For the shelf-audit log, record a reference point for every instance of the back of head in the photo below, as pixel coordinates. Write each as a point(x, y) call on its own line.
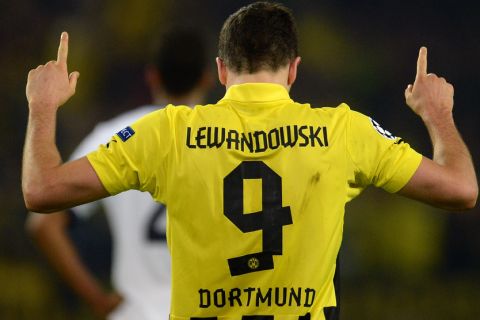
point(180, 60)
point(260, 36)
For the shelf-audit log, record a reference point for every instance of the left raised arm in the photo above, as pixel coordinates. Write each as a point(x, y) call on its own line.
point(448, 180)
point(48, 184)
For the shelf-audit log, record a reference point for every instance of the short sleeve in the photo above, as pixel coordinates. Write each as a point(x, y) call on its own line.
point(101, 134)
point(134, 157)
point(379, 157)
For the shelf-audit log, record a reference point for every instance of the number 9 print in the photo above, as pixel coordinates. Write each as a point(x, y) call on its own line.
point(270, 220)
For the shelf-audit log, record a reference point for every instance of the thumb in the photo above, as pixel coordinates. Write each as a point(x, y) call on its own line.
point(73, 77)
point(408, 90)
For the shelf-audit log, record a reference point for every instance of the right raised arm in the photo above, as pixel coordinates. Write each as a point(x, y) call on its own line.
point(448, 180)
point(48, 184)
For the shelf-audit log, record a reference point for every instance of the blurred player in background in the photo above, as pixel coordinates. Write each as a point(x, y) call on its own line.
point(256, 184)
point(141, 262)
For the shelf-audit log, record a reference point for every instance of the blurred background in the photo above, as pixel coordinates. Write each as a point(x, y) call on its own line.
point(400, 259)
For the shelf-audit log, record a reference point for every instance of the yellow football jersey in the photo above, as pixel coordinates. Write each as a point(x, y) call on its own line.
point(255, 187)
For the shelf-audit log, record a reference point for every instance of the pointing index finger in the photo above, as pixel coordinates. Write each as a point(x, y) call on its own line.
point(422, 62)
point(63, 49)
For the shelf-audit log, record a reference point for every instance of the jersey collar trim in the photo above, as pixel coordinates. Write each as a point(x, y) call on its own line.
point(256, 92)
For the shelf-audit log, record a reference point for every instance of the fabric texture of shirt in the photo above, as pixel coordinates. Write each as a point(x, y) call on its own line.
point(255, 187)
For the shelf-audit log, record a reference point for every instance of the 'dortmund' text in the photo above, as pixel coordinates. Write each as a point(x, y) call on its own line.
point(246, 297)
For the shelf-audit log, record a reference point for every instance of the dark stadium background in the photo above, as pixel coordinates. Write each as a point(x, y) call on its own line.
point(400, 259)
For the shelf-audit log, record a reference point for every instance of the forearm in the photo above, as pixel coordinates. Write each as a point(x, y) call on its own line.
point(449, 149)
point(48, 184)
point(40, 152)
point(50, 235)
point(40, 157)
point(62, 255)
point(448, 180)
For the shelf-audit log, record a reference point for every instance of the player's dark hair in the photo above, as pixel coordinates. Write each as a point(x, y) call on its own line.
point(260, 36)
point(180, 60)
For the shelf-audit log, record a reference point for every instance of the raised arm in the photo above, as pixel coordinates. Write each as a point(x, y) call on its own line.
point(449, 180)
point(48, 184)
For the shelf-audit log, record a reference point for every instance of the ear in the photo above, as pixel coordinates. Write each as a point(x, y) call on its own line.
point(153, 80)
point(207, 80)
point(222, 71)
point(292, 70)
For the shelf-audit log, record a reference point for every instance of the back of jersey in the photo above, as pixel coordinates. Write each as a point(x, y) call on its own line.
point(258, 224)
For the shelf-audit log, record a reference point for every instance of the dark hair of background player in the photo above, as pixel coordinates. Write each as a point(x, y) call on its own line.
point(180, 59)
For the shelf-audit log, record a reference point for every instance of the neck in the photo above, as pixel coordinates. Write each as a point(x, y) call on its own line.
point(279, 77)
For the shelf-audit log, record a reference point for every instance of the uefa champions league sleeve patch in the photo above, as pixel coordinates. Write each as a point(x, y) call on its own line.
point(382, 131)
point(125, 134)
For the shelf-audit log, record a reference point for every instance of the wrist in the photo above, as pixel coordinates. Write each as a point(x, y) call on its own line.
point(42, 107)
point(437, 118)
point(97, 298)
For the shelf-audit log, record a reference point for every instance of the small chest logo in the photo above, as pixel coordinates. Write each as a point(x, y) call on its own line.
point(125, 134)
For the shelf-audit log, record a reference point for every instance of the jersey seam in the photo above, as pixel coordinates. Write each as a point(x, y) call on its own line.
point(349, 120)
point(378, 164)
point(254, 102)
